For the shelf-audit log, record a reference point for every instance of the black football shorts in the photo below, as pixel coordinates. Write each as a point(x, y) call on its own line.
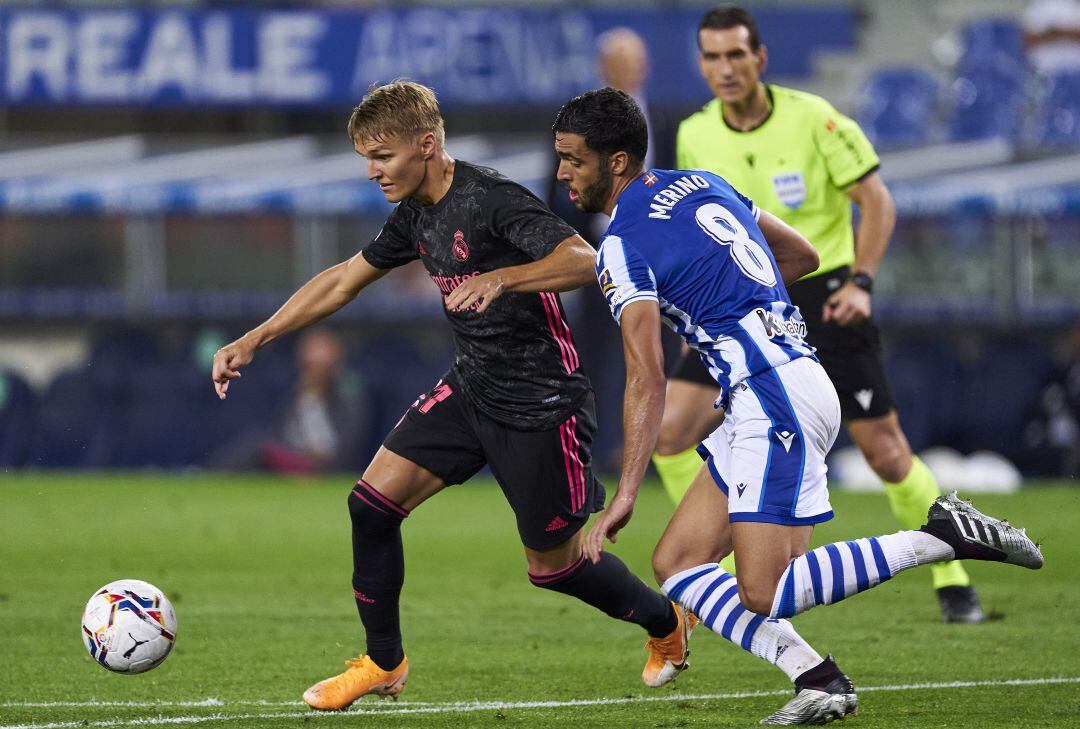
point(851, 355)
point(545, 475)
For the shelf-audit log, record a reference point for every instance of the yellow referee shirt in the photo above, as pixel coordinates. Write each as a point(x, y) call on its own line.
point(796, 164)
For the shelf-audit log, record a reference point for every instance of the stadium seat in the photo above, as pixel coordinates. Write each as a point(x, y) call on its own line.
point(252, 405)
point(1058, 121)
point(992, 38)
point(16, 417)
point(923, 376)
point(896, 106)
point(987, 98)
point(416, 369)
point(162, 422)
point(996, 388)
point(116, 354)
point(74, 424)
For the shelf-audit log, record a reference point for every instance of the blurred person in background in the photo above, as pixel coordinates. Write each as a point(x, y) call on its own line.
point(799, 159)
point(622, 62)
point(322, 420)
point(1052, 430)
point(1052, 35)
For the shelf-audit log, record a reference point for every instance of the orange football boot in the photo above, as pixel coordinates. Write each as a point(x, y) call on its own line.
point(363, 677)
point(691, 623)
point(667, 655)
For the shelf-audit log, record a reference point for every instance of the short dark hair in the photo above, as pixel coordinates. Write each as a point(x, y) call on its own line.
point(730, 16)
point(609, 120)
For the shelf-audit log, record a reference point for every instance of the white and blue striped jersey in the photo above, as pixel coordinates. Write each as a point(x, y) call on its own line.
point(689, 241)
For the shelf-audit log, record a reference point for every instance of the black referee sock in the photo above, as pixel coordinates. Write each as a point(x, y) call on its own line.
point(378, 572)
point(611, 587)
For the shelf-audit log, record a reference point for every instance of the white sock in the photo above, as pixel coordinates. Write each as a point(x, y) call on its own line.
point(777, 642)
point(929, 549)
point(711, 593)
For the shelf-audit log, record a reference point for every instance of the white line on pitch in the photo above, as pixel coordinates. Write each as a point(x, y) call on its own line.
point(464, 706)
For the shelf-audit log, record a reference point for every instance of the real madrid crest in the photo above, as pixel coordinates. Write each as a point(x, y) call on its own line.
point(460, 248)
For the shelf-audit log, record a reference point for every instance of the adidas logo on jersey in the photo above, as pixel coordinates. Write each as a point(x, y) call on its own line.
point(864, 398)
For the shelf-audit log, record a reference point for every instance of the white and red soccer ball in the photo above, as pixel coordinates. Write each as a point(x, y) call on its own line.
point(129, 626)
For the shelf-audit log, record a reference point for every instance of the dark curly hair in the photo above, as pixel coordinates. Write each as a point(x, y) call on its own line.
point(609, 120)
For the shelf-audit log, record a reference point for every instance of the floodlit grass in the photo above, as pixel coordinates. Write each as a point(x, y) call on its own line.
point(259, 571)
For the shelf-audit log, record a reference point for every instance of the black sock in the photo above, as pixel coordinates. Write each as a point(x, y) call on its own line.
point(819, 676)
point(609, 586)
point(378, 572)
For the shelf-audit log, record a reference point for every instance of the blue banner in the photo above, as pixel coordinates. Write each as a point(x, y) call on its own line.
point(327, 58)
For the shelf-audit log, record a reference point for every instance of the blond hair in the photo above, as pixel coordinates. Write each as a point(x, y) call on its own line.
point(402, 108)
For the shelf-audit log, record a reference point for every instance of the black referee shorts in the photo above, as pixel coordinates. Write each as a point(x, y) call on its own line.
point(851, 355)
point(546, 475)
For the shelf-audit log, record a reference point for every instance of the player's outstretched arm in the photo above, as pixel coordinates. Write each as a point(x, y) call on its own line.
point(794, 255)
point(315, 300)
point(643, 409)
point(569, 266)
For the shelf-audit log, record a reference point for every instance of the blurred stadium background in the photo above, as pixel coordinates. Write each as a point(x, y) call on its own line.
point(169, 173)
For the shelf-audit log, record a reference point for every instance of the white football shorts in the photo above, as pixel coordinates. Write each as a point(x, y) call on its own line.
point(768, 455)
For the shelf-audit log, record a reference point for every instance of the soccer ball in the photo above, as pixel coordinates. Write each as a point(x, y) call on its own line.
point(129, 626)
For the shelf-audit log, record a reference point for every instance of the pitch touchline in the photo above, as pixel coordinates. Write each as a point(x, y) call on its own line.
point(450, 707)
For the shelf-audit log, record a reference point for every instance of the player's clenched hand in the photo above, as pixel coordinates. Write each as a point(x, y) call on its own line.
point(849, 305)
point(478, 291)
point(608, 523)
point(227, 363)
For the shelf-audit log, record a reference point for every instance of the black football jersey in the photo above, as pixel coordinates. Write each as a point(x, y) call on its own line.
point(517, 361)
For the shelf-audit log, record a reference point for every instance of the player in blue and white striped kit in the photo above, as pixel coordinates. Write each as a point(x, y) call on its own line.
point(685, 248)
point(740, 320)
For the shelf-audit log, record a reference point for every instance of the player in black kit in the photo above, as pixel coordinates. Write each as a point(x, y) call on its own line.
point(515, 398)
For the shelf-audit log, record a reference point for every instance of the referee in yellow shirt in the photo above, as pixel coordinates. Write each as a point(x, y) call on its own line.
point(795, 156)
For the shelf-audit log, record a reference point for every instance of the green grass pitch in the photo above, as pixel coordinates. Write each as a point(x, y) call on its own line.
point(259, 568)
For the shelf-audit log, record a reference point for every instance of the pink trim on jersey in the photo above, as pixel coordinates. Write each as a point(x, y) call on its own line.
point(575, 469)
point(387, 503)
point(575, 362)
point(548, 577)
point(555, 333)
point(560, 330)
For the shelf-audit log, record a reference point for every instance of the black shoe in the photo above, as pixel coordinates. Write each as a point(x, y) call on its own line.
point(974, 535)
point(960, 605)
point(822, 694)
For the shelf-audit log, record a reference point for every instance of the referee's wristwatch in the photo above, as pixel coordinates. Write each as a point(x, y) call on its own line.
point(863, 280)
